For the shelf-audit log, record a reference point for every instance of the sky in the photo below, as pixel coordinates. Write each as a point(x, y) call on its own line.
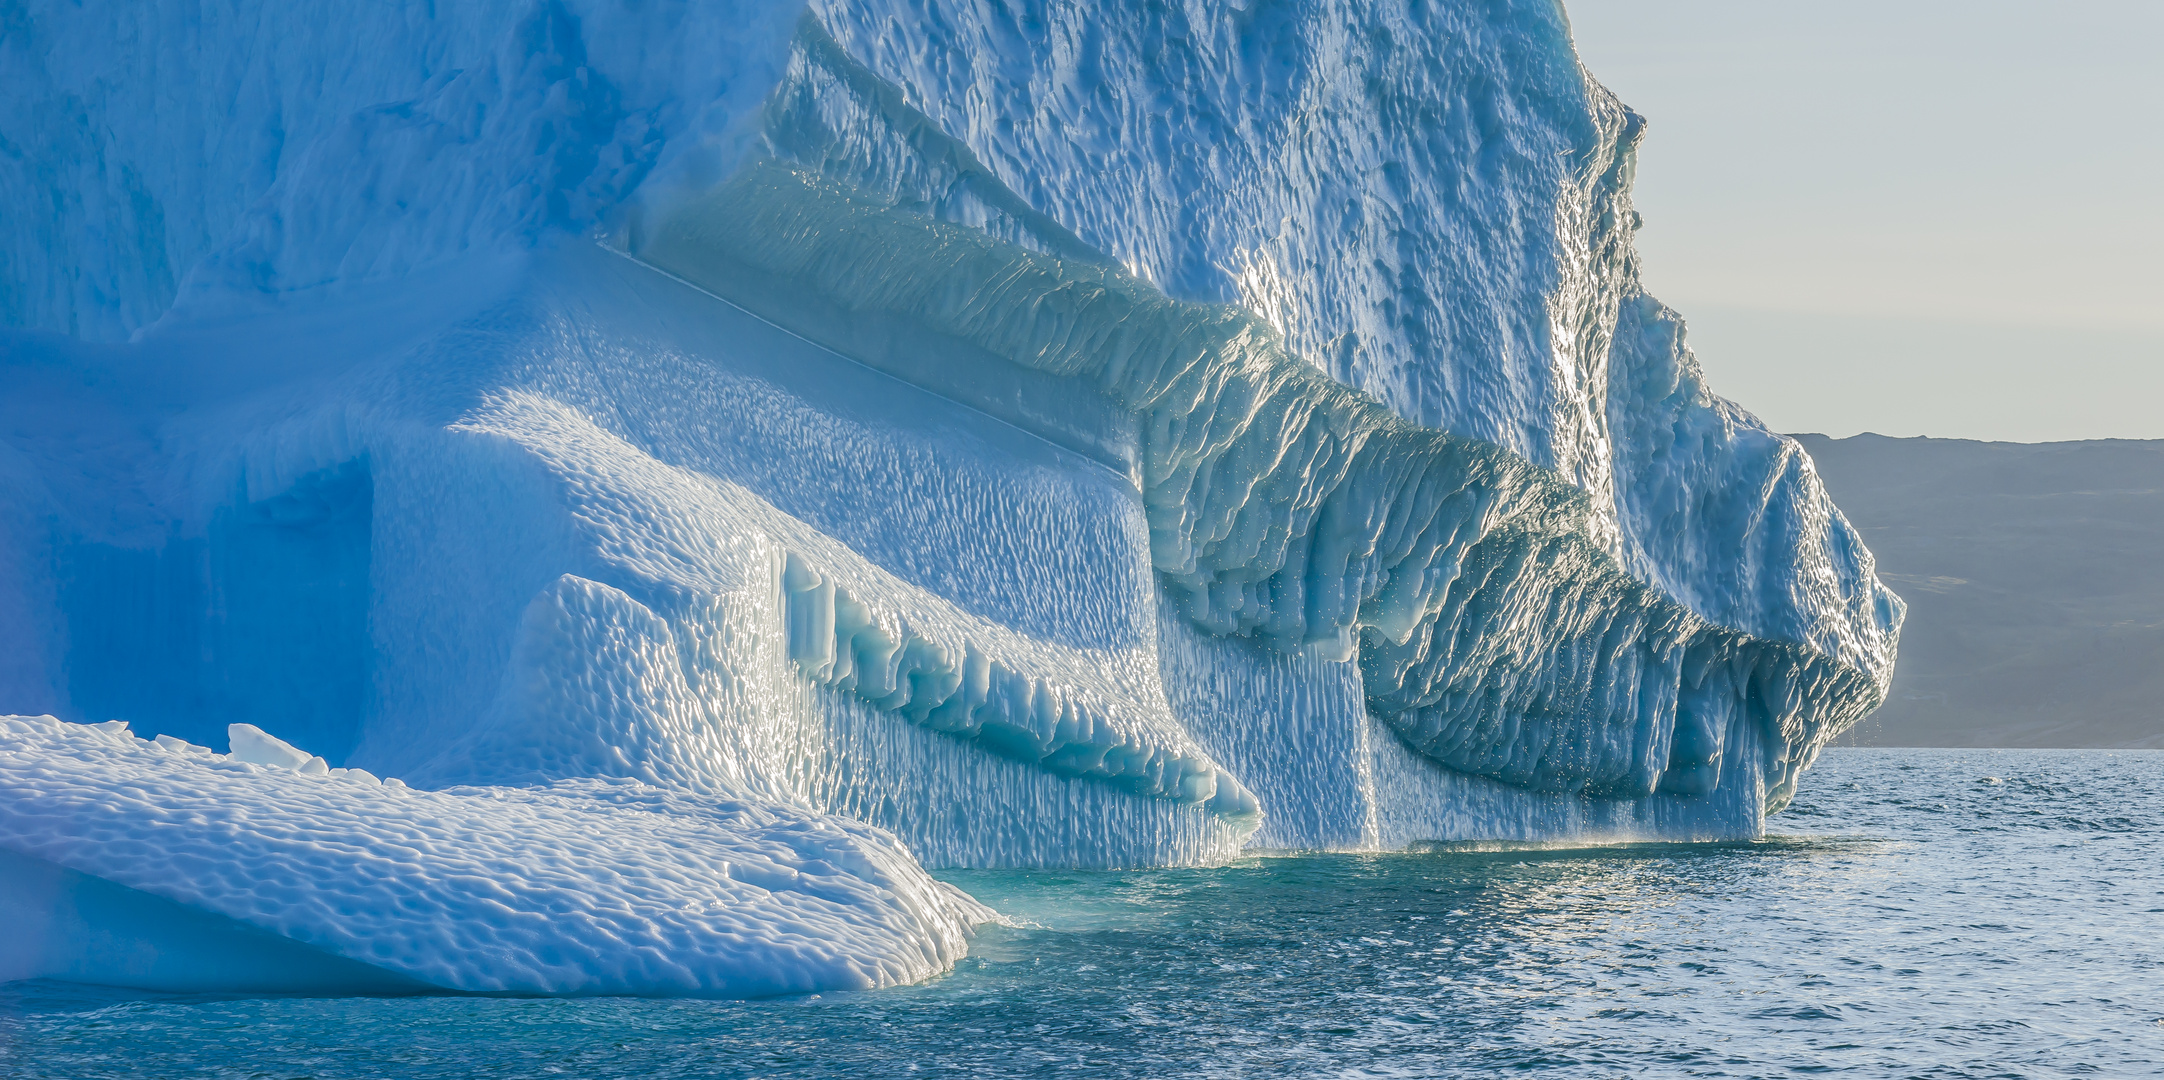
point(1915, 218)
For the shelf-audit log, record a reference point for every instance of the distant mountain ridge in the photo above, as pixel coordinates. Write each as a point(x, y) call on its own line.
point(2034, 574)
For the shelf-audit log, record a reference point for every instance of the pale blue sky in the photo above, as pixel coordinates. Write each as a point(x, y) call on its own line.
point(1916, 218)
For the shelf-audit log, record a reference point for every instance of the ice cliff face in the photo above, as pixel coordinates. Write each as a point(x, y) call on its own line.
point(989, 436)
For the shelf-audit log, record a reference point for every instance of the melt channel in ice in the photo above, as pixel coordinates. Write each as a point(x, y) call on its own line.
point(728, 457)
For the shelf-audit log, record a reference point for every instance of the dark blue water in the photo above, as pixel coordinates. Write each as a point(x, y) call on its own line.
point(1919, 913)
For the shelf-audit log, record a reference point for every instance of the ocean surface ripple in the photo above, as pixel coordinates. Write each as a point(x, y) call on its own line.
point(1917, 913)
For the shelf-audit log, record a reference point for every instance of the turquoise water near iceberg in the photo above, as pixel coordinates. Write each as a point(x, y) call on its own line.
point(1917, 913)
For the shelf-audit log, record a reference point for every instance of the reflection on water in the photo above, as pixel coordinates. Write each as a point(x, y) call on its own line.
point(1917, 913)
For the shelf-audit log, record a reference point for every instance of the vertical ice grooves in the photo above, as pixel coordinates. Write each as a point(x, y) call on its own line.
point(839, 642)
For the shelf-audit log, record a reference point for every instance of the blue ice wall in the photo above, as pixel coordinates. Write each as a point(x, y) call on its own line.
point(165, 153)
point(263, 621)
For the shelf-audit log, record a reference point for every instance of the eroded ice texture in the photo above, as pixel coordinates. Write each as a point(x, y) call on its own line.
point(583, 886)
point(1100, 435)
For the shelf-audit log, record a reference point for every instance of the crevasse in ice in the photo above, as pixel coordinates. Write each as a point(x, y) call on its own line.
point(723, 458)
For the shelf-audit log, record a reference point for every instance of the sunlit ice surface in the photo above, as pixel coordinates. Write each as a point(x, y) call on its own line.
point(1918, 912)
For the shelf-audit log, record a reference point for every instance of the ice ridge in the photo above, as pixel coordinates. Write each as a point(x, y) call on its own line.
point(1494, 630)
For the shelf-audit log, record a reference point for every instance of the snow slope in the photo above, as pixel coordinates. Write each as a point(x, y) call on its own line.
point(1051, 437)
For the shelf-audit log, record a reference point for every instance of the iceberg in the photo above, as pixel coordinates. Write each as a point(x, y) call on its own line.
point(725, 459)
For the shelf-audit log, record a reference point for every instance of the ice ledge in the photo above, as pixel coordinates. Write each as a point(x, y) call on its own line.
point(581, 887)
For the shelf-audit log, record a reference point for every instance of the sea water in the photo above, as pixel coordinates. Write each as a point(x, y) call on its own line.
point(1938, 913)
